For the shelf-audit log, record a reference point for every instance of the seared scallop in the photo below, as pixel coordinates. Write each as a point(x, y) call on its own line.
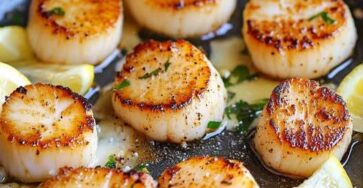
point(44, 128)
point(301, 126)
point(169, 91)
point(99, 177)
point(74, 32)
point(296, 38)
point(180, 19)
point(207, 172)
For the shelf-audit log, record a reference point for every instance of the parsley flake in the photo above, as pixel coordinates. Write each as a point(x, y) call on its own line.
point(142, 168)
point(156, 71)
point(231, 95)
point(152, 73)
point(324, 15)
point(214, 124)
point(245, 113)
point(122, 85)
point(111, 163)
point(239, 74)
point(166, 65)
point(58, 11)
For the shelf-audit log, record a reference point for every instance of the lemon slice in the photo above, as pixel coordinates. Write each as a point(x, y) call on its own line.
point(330, 175)
point(10, 79)
point(14, 45)
point(351, 89)
point(78, 78)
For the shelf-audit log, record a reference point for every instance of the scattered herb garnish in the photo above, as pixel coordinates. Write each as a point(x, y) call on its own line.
point(324, 15)
point(15, 18)
point(142, 168)
point(156, 71)
point(166, 65)
point(111, 163)
point(245, 113)
point(230, 95)
point(150, 74)
point(58, 11)
point(124, 51)
point(122, 85)
point(214, 124)
point(239, 74)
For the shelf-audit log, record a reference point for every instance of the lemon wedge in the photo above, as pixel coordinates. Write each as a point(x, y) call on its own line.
point(330, 175)
point(10, 79)
point(78, 78)
point(351, 89)
point(14, 44)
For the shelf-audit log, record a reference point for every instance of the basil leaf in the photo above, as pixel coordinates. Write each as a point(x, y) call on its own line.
point(122, 85)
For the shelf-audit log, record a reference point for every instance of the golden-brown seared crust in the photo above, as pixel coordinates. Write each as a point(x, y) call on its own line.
point(91, 17)
point(207, 171)
point(288, 34)
point(218, 162)
point(47, 97)
point(182, 4)
point(95, 177)
point(320, 116)
point(168, 174)
point(189, 82)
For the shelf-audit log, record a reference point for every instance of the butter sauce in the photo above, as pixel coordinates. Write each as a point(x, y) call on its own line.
point(226, 54)
point(116, 138)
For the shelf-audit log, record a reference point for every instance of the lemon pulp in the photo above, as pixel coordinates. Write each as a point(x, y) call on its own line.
point(351, 89)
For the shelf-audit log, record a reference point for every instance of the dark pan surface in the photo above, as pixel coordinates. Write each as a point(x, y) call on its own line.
point(229, 144)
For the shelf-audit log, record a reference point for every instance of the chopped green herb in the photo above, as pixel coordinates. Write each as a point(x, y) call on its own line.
point(142, 168)
point(152, 73)
point(245, 113)
point(56, 11)
point(166, 65)
point(122, 85)
point(258, 106)
point(214, 124)
point(230, 95)
point(226, 82)
point(327, 19)
point(156, 71)
point(124, 51)
point(239, 74)
point(16, 18)
point(111, 163)
point(324, 15)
